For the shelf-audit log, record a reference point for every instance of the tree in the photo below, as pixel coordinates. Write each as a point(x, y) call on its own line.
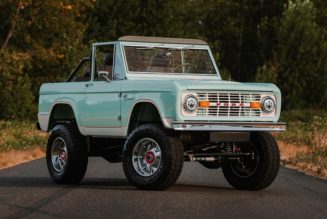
point(299, 63)
point(39, 40)
point(235, 29)
point(112, 19)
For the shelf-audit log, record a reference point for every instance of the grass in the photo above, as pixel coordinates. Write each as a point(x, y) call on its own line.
point(307, 130)
point(16, 135)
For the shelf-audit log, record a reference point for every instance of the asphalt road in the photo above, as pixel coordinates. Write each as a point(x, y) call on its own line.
point(26, 191)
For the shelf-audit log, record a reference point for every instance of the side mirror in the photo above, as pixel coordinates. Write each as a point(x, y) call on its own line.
point(104, 74)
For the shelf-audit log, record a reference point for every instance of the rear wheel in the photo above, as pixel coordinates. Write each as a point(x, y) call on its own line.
point(67, 156)
point(257, 171)
point(152, 159)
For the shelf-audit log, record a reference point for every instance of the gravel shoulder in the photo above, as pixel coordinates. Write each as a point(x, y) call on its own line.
point(292, 157)
point(14, 157)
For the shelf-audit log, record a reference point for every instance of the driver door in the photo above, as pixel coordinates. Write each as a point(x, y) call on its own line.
point(101, 111)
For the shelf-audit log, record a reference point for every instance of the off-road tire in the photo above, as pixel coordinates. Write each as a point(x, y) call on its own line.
point(77, 155)
point(171, 161)
point(267, 168)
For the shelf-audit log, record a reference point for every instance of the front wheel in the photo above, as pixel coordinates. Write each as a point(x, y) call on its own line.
point(152, 159)
point(257, 171)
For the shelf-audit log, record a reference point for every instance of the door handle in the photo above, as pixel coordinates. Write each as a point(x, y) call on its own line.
point(88, 84)
point(126, 97)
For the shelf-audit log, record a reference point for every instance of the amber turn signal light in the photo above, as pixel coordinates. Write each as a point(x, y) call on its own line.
point(204, 103)
point(255, 105)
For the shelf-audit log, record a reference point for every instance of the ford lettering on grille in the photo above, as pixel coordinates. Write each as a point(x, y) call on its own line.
point(229, 104)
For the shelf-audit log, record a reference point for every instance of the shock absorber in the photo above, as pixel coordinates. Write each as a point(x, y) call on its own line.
point(193, 158)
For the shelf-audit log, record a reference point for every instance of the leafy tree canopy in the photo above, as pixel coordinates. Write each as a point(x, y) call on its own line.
point(280, 41)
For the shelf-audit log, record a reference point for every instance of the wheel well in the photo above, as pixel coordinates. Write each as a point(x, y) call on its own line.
point(143, 113)
point(61, 112)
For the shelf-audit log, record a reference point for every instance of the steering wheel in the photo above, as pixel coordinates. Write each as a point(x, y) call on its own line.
point(187, 67)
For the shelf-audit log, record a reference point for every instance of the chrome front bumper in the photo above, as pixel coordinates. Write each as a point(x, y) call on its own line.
point(230, 126)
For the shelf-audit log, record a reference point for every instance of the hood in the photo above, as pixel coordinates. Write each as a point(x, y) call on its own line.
point(224, 85)
point(167, 82)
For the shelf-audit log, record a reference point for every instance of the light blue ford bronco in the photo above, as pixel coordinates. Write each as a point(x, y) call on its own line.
point(153, 103)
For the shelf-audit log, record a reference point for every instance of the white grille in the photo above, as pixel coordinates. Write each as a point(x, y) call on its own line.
point(229, 104)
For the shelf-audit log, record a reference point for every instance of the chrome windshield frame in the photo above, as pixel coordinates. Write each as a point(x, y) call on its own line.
point(167, 45)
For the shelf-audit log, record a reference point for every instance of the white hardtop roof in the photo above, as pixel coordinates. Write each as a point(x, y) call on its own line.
point(162, 40)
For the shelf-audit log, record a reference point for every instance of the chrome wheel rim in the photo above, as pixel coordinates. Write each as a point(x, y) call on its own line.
point(146, 157)
point(59, 155)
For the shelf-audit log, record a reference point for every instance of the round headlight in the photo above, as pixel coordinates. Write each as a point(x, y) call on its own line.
point(190, 103)
point(268, 104)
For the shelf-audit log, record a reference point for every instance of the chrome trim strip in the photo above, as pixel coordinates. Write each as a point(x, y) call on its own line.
point(229, 126)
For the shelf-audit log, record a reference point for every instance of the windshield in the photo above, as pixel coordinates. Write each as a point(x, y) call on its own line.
point(168, 60)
